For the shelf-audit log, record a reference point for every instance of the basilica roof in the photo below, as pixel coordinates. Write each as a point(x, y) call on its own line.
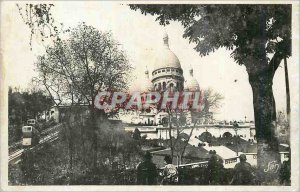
point(165, 57)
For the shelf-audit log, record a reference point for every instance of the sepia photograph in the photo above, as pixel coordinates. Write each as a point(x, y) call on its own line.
point(149, 96)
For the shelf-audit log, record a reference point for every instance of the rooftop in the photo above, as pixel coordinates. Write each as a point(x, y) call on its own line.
point(192, 154)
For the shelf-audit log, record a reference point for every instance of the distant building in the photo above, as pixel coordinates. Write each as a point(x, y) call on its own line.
point(192, 155)
point(249, 148)
point(57, 113)
point(198, 156)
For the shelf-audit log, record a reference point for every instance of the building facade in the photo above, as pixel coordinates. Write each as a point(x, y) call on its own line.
point(167, 75)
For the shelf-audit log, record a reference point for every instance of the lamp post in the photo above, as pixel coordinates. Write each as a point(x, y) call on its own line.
point(235, 127)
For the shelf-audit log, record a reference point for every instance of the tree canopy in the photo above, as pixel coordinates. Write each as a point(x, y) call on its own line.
point(258, 37)
point(23, 105)
point(75, 69)
point(255, 34)
point(39, 19)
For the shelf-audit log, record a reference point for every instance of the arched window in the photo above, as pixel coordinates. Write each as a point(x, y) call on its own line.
point(171, 87)
point(159, 87)
point(164, 85)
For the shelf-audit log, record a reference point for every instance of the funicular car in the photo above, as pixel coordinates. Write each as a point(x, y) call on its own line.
point(30, 136)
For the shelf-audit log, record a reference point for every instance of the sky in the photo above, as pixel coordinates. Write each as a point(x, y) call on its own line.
point(141, 37)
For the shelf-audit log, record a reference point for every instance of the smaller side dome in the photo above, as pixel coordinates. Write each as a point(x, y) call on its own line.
point(191, 84)
point(147, 86)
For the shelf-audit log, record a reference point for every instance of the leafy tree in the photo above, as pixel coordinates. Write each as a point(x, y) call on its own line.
point(36, 103)
point(21, 107)
point(27, 104)
point(136, 134)
point(282, 119)
point(205, 137)
point(40, 21)
point(283, 128)
point(16, 115)
point(16, 107)
point(74, 70)
point(258, 36)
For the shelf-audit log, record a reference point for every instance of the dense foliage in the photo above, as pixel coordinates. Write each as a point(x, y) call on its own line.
point(258, 37)
point(23, 106)
point(57, 163)
point(240, 28)
point(88, 61)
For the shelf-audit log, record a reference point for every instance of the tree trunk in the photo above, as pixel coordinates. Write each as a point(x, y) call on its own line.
point(170, 134)
point(95, 137)
point(71, 149)
point(68, 125)
point(83, 150)
point(288, 104)
point(268, 158)
point(187, 142)
point(288, 108)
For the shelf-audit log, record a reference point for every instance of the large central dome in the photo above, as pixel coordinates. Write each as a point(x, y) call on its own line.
point(166, 58)
point(167, 73)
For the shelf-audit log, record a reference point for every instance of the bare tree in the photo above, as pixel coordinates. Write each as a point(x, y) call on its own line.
point(211, 101)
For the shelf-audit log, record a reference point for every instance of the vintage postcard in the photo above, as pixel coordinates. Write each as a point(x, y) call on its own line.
point(149, 96)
